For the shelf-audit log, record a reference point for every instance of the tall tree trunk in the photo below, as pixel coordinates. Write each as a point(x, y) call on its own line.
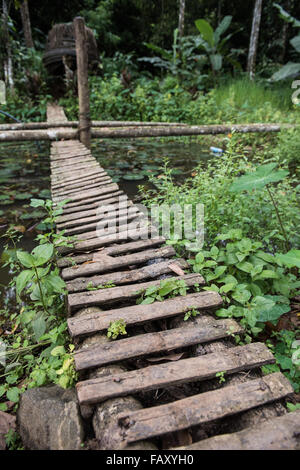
point(254, 38)
point(24, 10)
point(8, 65)
point(181, 18)
point(285, 28)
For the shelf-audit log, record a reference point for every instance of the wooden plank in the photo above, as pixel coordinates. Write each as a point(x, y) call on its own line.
point(90, 193)
point(70, 155)
point(203, 408)
point(110, 224)
point(150, 343)
point(108, 263)
point(112, 250)
point(67, 165)
point(74, 187)
point(101, 213)
point(73, 208)
point(280, 433)
point(175, 373)
point(63, 219)
point(122, 293)
point(125, 277)
point(79, 167)
point(63, 178)
point(94, 242)
point(139, 314)
point(83, 186)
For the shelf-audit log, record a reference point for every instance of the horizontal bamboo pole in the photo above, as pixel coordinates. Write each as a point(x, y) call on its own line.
point(58, 134)
point(48, 125)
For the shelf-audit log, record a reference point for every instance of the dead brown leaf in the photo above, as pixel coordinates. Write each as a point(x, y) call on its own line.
point(169, 357)
point(176, 269)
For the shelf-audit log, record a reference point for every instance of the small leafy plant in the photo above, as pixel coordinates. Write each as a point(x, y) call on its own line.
point(37, 350)
point(167, 288)
point(116, 329)
point(221, 376)
point(256, 284)
point(191, 313)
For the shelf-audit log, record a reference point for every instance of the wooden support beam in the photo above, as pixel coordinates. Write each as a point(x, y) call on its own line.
point(82, 80)
point(144, 131)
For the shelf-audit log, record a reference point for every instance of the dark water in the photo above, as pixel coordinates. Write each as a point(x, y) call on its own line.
point(24, 174)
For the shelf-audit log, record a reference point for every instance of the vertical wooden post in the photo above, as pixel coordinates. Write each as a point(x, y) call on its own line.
point(82, 79)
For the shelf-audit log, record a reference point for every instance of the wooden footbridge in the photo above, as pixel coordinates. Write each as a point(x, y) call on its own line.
point(167, 364)
point(169, 383)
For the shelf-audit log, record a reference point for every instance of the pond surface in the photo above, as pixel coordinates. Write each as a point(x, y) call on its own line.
point(25, 174)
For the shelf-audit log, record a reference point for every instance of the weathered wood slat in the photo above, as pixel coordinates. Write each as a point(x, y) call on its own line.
point(122, 224)
point(83, 186)
point(93, 242)
point(101, 214)
point(281, 433)
point(126, 277)
point(108, 263)
point(110, 188)
point(203, 408)
point(175, 373)
point(75, 161)
point(112, 250)
point(150, 343)
point(92, 203)
point(80, 185)
point(63, 219)
point(76, 176)
point(138, 314)
point(79, 167)
point(113, 294)
point(109, 223)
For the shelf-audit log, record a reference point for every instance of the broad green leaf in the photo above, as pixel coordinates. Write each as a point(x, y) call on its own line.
point(222, 27)
point(199, 258)
point(296, 43)
point(258, 179)
point(43, 253)
point(227, 287)
point(39, 327)
point(37, 203)
point(241, 294)
point(58, 351)
point(23, 279)
point(26, 259)
point(273, 313)
point(286, 16)
point(245, 266)
point(288, 70)
point(13, 394)
point(56, 283)
point(290, 259)
point(267, 274)
point(206, 31)
point(265, 256)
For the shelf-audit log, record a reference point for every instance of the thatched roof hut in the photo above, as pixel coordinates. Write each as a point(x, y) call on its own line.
point(61, 42)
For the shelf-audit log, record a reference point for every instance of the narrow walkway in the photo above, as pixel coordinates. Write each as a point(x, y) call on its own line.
point(109, 271)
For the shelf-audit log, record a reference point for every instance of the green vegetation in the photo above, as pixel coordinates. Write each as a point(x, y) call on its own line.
point(116, 328)
point(36, 349)
point(166, 289)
